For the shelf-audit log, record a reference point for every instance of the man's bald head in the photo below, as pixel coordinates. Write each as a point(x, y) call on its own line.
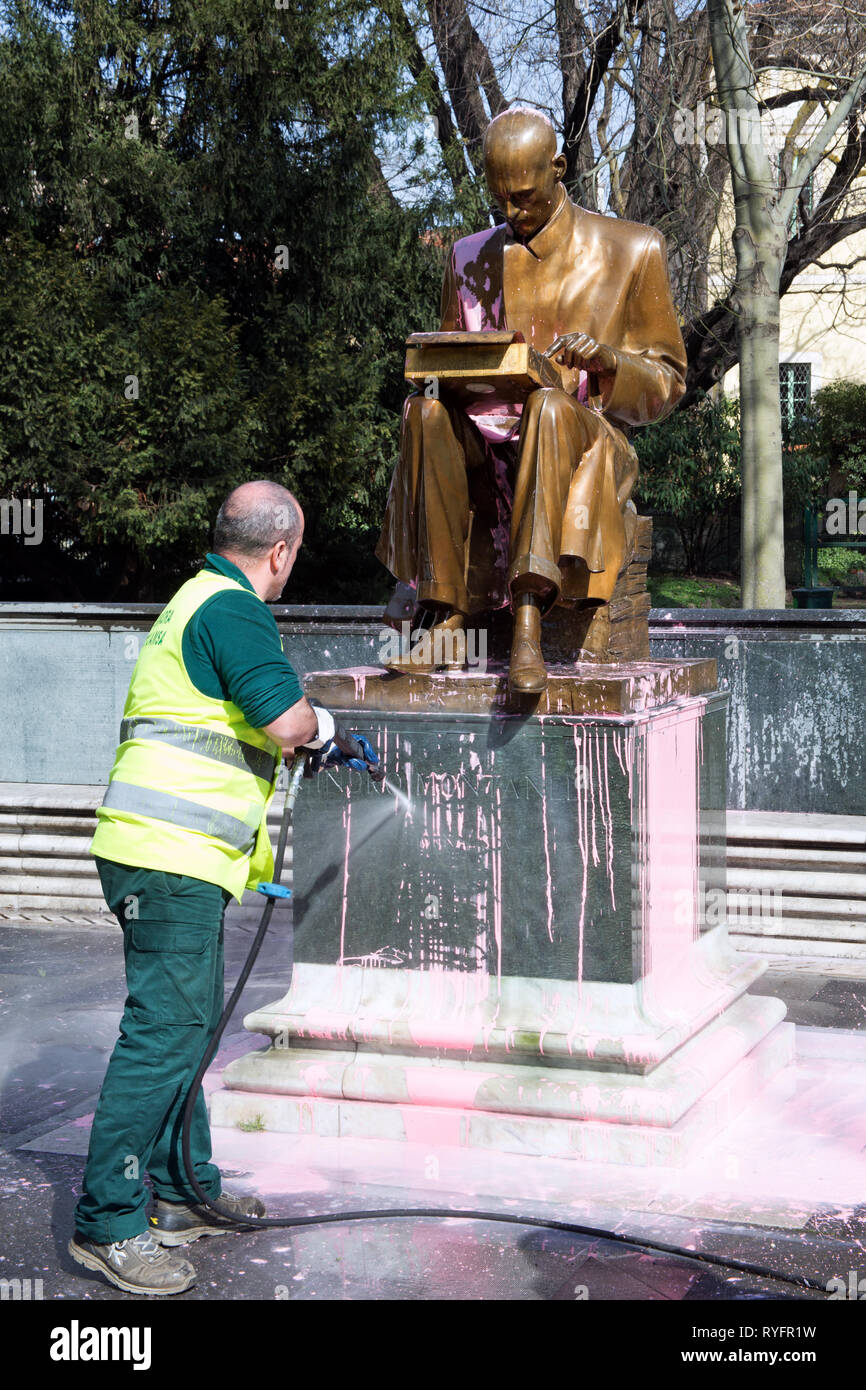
point(255, 517)
point(524, 173)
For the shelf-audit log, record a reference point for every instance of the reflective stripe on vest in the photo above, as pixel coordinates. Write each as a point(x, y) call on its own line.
point(147, 801)
point(206, 742)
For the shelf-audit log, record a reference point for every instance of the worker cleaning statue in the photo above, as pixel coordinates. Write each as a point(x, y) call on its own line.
point(532, 507)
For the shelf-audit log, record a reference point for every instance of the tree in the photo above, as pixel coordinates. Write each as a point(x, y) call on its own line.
point(763, 212)
point(206, 279)
point(245, 159)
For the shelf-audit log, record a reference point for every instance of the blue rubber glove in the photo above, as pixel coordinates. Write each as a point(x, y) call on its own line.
point(333, 755)
point(337, 747)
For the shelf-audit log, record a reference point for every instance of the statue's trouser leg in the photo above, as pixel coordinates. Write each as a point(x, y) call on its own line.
point(553, 439)
point(427, 521)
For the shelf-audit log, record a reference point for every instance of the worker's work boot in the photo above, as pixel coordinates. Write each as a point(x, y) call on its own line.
point(173, 1223)
point(527, 673)
point(137, 1265)
point(442, 646)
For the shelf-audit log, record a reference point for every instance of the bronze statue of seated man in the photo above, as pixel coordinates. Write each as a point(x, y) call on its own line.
point(534, 508)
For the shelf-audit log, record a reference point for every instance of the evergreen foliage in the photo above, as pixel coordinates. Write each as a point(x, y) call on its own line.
point(205, 279)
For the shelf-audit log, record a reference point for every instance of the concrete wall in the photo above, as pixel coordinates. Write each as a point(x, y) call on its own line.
point(797, 682)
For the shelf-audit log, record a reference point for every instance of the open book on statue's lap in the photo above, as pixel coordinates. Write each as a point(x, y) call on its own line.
point(489, 373)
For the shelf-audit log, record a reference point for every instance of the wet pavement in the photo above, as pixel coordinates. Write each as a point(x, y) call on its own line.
point(743, 1201)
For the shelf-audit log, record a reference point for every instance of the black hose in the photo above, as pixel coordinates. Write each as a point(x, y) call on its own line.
point(254, 1223)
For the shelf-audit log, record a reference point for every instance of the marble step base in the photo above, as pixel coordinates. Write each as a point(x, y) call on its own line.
point(698, 1085)
point(788, 949)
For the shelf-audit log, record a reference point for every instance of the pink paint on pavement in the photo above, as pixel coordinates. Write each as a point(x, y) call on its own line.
point(798, 1154)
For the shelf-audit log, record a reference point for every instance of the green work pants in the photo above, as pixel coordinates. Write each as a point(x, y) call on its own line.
point(173, 949)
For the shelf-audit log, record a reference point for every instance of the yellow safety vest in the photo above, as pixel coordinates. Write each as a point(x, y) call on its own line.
point(192, 780)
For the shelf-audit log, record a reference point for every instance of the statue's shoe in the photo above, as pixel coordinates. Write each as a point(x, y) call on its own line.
point(527, 674)
point(442, 646)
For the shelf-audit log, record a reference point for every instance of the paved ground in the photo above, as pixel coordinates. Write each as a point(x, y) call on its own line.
point(62, 993)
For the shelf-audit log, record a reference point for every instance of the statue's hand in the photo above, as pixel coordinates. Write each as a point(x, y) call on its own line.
point(579, 350)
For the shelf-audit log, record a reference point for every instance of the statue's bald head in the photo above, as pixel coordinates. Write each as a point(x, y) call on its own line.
point(254, 517)
point(522, 167)
point(520, 131)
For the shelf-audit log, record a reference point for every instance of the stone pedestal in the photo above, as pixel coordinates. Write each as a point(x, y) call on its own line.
point(524, 949)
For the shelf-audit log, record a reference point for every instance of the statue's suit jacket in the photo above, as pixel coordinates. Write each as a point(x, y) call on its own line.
point(605, 277)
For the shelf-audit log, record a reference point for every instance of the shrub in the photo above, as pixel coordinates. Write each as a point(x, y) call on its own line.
point(835, 563)
point(826, 448)
point(690, 468)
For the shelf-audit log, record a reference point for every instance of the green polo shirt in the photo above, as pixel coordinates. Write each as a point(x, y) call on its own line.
point(232, 650)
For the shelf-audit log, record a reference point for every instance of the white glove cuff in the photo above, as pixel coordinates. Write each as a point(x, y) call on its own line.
point(327, 727)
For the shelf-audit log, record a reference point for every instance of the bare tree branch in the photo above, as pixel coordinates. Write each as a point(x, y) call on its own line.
point(601, 53)
point(780, 99)
point(468, 72)
point(452, 152)
point(815, 153)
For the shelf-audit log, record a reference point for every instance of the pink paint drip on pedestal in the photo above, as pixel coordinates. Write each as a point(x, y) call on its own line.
point(669, 893)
